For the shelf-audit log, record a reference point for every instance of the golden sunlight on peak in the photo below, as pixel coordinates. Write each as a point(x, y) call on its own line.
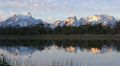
point(70, 20)
point(93, 18)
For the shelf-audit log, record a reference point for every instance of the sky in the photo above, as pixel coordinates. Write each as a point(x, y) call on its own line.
point(52, 10)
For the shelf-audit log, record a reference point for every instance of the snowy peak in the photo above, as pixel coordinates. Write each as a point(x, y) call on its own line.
point(21, 21)
point(59, 23)
point(104, 19)
point(93, 18)
point(67, 22)
point(20, 17)
point(96, 19)
point(99, 18)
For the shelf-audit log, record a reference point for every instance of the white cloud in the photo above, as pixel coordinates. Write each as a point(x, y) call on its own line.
point(2, 15)
point(59, 7)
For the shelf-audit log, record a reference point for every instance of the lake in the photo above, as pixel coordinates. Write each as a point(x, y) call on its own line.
point(60, 52)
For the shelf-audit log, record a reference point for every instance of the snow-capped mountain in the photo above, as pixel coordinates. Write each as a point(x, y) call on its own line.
point(96, 19)
point(59, 23)
point(70, 21)
point(28, 20)
point(103, 19)
point(21, 21)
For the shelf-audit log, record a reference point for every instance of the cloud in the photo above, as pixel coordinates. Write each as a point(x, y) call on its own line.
point(2, 15)
point(35, 4)
point(58, 4)
point(59, 8)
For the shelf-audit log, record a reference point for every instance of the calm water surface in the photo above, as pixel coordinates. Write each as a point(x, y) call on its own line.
point(61, 53)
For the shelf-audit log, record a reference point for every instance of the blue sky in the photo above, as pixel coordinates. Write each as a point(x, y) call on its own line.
point(51, 10)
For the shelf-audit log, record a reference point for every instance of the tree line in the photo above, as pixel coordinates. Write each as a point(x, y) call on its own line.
point(65, 30)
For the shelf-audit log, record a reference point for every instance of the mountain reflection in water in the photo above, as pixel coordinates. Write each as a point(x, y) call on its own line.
point(63, 53)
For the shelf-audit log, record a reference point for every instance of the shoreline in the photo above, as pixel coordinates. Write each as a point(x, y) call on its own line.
point(59, 37)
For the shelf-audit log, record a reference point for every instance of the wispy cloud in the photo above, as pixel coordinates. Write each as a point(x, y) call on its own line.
point(59, 8)
point(2, 15)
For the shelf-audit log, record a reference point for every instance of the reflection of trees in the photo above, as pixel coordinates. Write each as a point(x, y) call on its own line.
point(84, 44)
point(81, 44)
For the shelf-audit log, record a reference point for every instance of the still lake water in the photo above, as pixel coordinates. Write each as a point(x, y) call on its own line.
point(60, 53)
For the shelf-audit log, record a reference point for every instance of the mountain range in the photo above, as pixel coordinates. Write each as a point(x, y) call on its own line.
point(96, 19)
point(28, 20)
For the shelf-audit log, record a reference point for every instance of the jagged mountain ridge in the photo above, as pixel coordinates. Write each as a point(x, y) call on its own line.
point(96, 19)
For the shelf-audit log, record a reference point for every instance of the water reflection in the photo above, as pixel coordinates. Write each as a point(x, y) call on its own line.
point(60, 53)
point(71, 49)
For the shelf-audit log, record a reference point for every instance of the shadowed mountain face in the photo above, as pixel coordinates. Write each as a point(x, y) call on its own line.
point(21, 21)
